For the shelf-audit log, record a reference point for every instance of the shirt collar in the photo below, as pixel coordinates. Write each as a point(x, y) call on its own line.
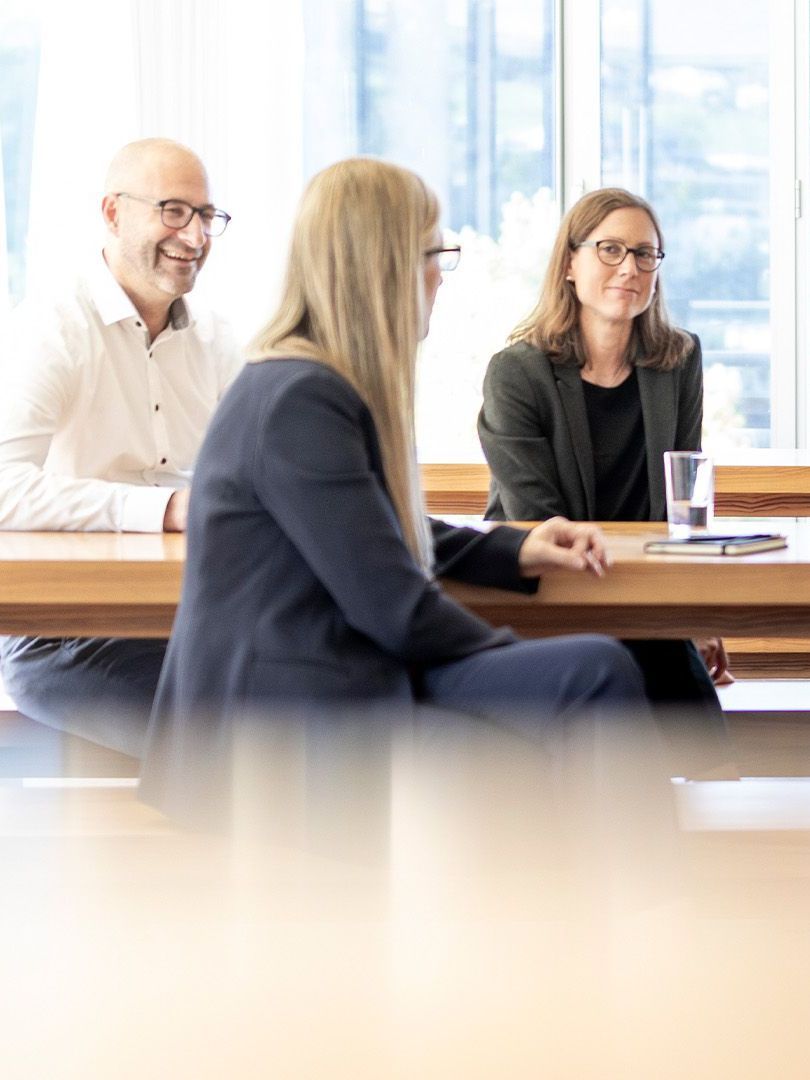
point(113, 304)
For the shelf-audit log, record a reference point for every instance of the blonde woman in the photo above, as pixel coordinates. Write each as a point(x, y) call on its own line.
point(311, 573)
point(594, 386)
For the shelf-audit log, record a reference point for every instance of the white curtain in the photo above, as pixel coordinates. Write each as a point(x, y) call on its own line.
point(226, 77)
point(85, 110)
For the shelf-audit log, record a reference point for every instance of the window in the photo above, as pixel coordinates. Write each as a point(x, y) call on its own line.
point(510, 109)
point(685, 122)
point(463, 92)
point(19, 61)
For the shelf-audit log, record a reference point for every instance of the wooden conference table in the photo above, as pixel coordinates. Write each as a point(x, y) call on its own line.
point(86, 584)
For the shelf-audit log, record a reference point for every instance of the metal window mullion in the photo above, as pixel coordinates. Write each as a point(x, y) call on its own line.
point(481, 105)
point(801, 290)
point(784, 227)
point(580, 98)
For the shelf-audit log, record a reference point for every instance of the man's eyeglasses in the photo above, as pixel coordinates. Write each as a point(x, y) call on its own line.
point(614, 252)
point(448, 256)
point(176, 214)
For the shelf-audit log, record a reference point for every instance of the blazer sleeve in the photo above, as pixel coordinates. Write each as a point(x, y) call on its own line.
point(688, 432)
point(481, 558)
point(517, 443)
point(313, 474)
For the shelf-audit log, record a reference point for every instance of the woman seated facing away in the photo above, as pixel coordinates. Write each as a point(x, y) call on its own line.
point(594, 387)
point(310, 580)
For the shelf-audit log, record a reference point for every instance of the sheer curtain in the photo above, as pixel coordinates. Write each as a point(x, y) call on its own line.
point(85, 109)
point(224, 77)
point(5, 298)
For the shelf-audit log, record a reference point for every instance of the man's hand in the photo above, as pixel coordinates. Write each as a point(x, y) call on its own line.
point(560, 542)
point(174, 520)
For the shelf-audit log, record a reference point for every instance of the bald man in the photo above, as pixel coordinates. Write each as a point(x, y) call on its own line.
point(108, 390)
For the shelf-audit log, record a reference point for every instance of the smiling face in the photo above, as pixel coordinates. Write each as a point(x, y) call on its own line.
point(614, 294)
point(155, 264)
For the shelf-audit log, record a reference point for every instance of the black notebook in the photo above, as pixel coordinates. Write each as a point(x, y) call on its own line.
point(715, 544)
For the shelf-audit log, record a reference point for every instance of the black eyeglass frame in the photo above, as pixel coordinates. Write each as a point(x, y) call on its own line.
point(161, 204)
point(635, 252)
point(452, 249)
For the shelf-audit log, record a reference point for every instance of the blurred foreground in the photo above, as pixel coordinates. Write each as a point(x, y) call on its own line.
point(457, 907)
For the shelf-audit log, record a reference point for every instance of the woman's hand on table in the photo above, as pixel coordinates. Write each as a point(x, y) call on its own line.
point(560, 542)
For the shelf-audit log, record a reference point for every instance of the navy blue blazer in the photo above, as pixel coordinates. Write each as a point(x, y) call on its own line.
point(534, 430)
point(298, 585)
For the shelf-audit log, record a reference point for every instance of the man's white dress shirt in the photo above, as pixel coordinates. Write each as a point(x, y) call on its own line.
point(98, 426)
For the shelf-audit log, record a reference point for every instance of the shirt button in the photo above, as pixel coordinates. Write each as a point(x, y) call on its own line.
point(157, 407)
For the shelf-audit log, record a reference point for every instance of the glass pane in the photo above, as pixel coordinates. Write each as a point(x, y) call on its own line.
point(685, 124)
point(19, 65)
point(462, 92)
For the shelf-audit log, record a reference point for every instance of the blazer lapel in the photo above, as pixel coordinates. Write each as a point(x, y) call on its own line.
point(659, 410)
point(569, 387)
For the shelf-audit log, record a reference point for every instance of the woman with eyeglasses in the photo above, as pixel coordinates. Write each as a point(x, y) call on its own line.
point(310, 578)
point(594, 386)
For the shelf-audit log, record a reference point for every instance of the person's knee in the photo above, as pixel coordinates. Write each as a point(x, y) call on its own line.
point(616, 669)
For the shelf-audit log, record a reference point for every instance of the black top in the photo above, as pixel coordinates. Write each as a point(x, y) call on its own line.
point(619, 455)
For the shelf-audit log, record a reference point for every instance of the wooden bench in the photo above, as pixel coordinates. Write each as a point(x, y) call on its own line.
point(455, 488)
point(766, 483)
point(777, 489)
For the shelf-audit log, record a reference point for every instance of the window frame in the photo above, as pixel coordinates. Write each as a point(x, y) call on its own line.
point(789, 126)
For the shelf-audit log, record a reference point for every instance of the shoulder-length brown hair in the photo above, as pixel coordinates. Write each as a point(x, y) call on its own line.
point(353, 299)
point(553, 325)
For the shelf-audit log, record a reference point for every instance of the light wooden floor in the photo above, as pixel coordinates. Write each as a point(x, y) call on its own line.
point(133, 948)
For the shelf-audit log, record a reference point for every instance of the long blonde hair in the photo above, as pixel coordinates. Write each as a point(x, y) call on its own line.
point(353, 300)
point(553, 325)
